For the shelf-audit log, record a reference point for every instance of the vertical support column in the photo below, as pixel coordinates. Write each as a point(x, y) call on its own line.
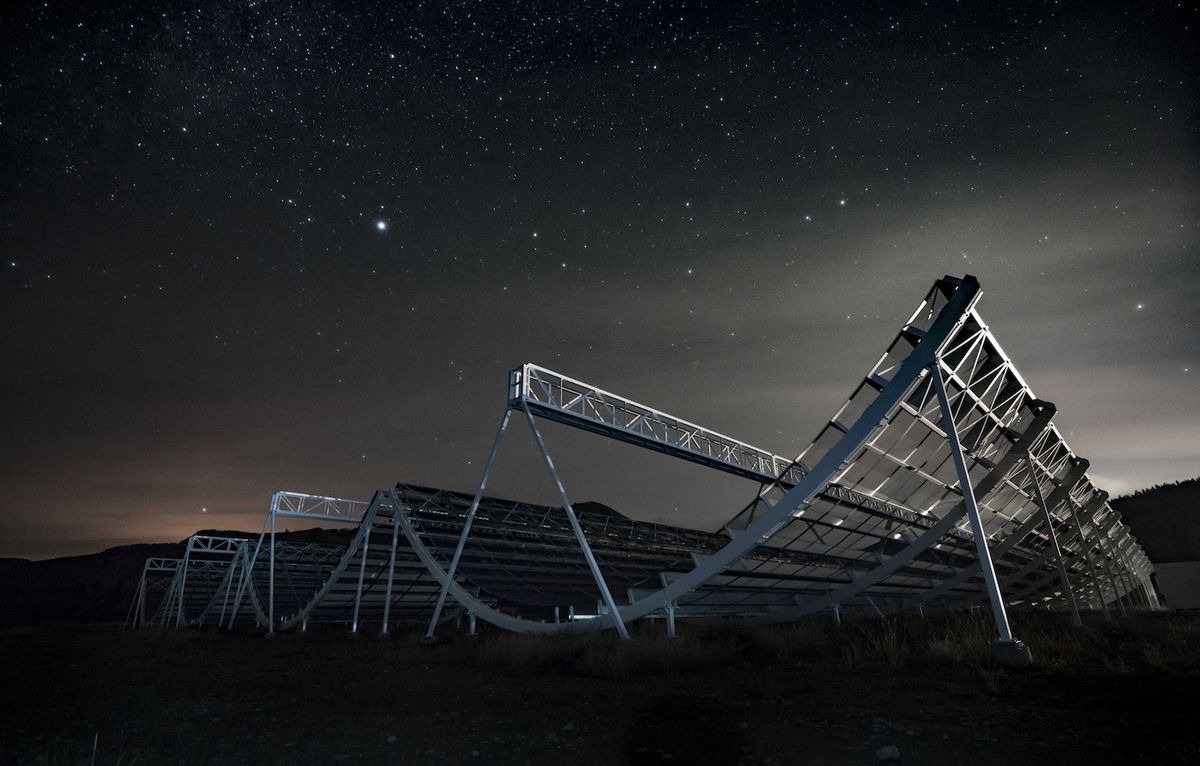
point(248, 571)
point(233, 570)
point(387, 603)
point(1106, 566)
point(140, 617)
point(1087, 555)
point(466, 531)
point(1127, 579)
point(471, 623)
point(605, 593)
point(1148, 586)
point(1058, 557)
point(669, 607)
point(168, 602)
point(271, 586)
point(1007, 649)
point(362, 571)
point(1150, 590)
point(132, 619)
point(837, 613)
point(187, 554)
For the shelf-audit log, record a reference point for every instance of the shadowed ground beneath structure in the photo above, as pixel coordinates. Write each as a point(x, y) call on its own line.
point(766, 696)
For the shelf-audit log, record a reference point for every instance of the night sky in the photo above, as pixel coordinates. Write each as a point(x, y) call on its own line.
point(275, 245)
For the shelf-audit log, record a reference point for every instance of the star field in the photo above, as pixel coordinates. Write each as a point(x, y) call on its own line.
point(258, 246)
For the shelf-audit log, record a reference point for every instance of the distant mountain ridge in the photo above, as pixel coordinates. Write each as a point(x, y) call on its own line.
point(99, 587)
point(1165, 519)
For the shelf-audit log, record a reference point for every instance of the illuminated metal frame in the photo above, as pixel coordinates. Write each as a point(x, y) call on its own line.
point(944, 331)
point(941, 482)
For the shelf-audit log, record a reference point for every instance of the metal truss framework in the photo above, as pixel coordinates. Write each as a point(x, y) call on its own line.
point(941, 455)
point(939, 484)
point(195, 589)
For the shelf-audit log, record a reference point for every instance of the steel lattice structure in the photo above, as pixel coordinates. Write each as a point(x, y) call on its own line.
point(940, 483)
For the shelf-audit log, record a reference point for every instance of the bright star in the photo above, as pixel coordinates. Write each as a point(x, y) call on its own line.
point(381, 225)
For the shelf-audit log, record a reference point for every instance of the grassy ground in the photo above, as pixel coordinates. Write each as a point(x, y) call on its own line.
point(809, 692)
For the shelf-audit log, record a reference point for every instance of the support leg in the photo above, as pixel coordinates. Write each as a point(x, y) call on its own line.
point(387, 602)
point(462, 538)
point(605, 593)
point(233, 570)
point(1058, 557)
point(271, 587)
point(183, 581)
point(1087, 555)
point(1108, 573)
point(1007, 649)
point(131, 620)
point(248, 570)
point(362, 573)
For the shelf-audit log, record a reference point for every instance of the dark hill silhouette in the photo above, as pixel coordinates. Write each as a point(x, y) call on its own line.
point(1165, 519)
point(99, 587)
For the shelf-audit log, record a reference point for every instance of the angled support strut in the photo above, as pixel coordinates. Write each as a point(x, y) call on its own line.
point(605, 593)
point(964, 483)
point(466, 530)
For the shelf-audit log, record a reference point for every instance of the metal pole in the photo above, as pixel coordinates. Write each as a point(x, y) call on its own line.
point(1130, 589)
point(362, 571)
point(837, 613)
point(1087, 555)
point(964, 484)
point(131, 619)
point(1148, 587)
point(1107, 569)
point(618, 623)
point(462, 538)
point(1058, 557)
point(671, 619)
point(187, 554)
point(248, 571)
point(387, 604)
point(233, 568)
point(471, 624)
point(271, 589)
point(140, 619)
point(168, 602)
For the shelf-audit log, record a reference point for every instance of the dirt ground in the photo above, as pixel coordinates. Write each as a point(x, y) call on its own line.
point(190, 697)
